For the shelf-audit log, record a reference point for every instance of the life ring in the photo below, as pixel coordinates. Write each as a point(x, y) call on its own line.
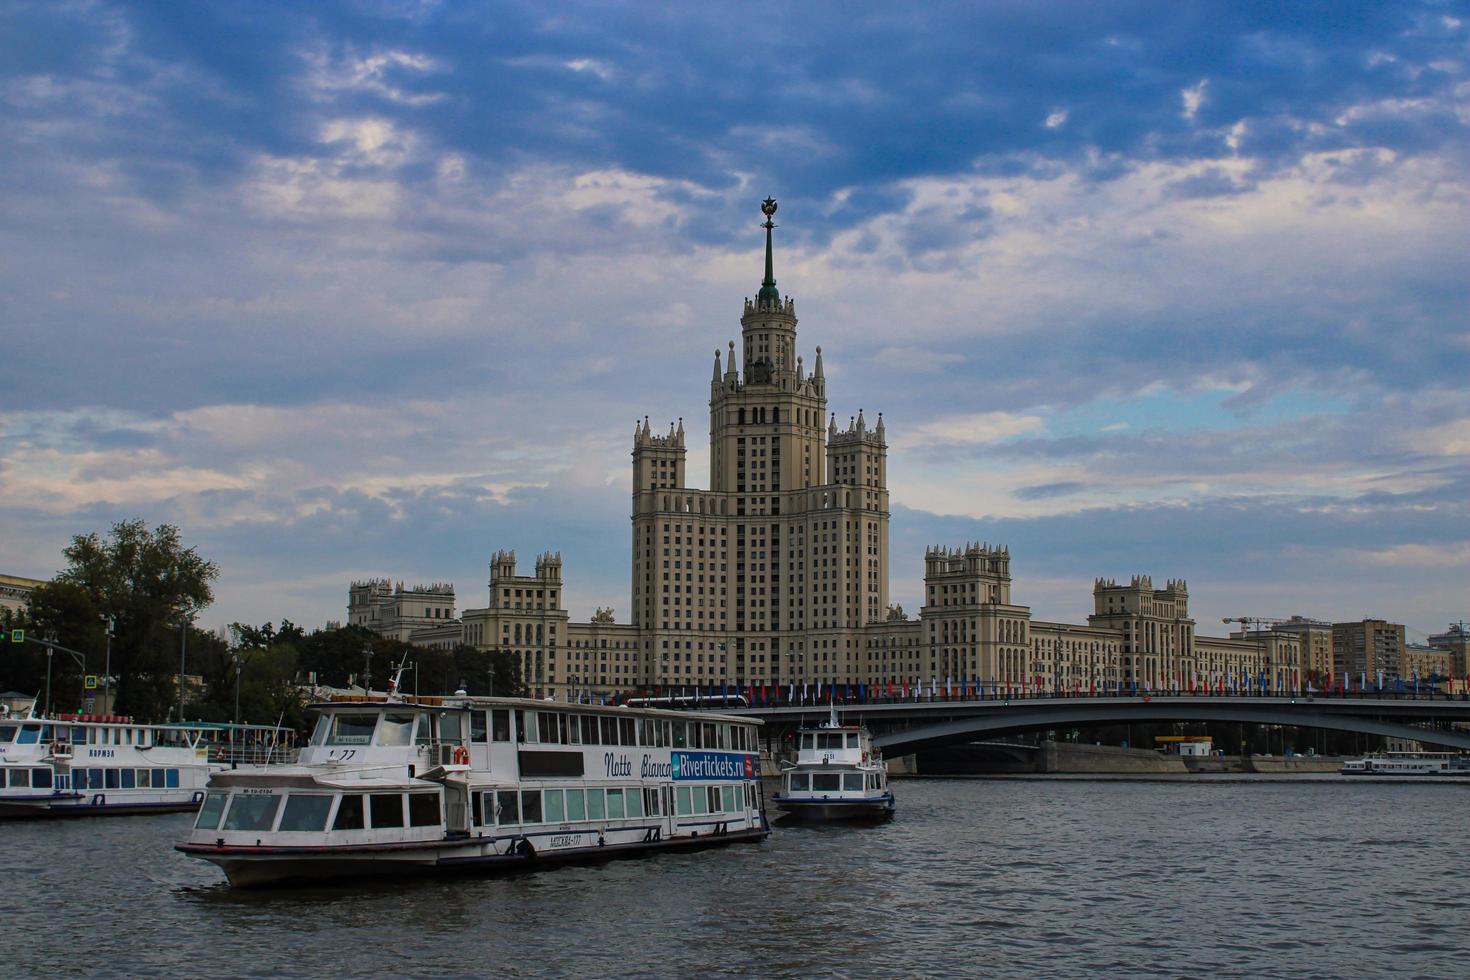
point(220, 755)
point(461, 755)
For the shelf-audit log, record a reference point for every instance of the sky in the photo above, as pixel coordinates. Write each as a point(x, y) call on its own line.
point(363, 289)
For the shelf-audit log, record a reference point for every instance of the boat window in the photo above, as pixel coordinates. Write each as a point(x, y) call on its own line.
point(615, 809)
point(507, 807)
point(826, 782)
point(553, 805)
point(41, 778)
point(171, 778)
point(798, 782)
point(808, 741)
point(477, 727)
point(682, 805)
point(20, 777)
point(500, 725)
point(596, 808)
point(349, 813)
point(319, 734)
point(386, 809)
point(724, 735)
point(829, 741)
point(423, 809)
point(661, 733)
point(650, 802)
point(29, 735)
point(306, 813)
point(127, 778)
point(547, 728)
point(396, 730)
point(531, 806)
point(527, 729)
point(78, 736)
point(709, 735)
point(852, 740)
point(680, 735)
point(731, 803)
point(112, 779)
point(211, 811)
point(94, 779)
point(255, 811)
point(159, 780)
point(352, 729)
point(576, 804)
point(422, 729)
point(627, 732)
point(609, 731)
point(645, 731)
point(589, 730)
point(7, 733)
point(633, 799)
point(574, 729)
point(451, 727)
point(853, 782)
point(700, 798)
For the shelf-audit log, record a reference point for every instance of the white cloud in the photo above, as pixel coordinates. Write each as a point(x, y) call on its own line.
point(1193, 97)
point(976, 428)
point(1056, 118)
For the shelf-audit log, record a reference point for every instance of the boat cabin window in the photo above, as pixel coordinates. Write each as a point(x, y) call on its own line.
point(478, 732)
point(853, 782)
point(588, 725)
point(507, 807)
point(826, 782)
point(522, 735)
point(345, 729)
point(576, 804)
point(396, 729)
point(305, 813)
point(500, 725)
point(731, 803)
point(650, 802)
point(852, 740)
point(680, 735)
point(40, 778)
point(423, 810)
point(553, 805)
point(20, 777)
point(255, 811)
point(7, 733)
point(596, 805)
point(451, 727)
point(798, 782)
point(615, 807)
point(386, 809)
point(809, 741)
point(349, 813)
point(531, 806)
point(829, 740)
point(29, 735)
point(211, 811)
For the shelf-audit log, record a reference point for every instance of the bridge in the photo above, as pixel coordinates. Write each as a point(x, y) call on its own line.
point(902, 727)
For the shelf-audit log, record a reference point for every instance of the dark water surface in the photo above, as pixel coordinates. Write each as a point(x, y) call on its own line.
point(974, 877)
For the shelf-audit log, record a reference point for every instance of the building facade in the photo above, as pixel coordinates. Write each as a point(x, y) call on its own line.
point(15, 591)
point(777, 573)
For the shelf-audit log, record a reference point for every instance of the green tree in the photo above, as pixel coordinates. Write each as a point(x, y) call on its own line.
point(151, 586)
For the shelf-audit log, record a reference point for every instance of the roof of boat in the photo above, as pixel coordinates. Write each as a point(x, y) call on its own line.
point(469, 703)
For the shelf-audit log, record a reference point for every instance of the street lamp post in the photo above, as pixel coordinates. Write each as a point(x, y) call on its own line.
point(183, 646)
point(107, 666)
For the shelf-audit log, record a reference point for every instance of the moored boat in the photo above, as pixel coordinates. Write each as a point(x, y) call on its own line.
point(481, 784)
point(1408, 764)
point(838, 775)
point(85, 765)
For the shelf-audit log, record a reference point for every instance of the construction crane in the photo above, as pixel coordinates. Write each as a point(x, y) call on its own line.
point(1254, 623)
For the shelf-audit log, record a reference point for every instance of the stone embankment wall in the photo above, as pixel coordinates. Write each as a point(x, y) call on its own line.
point(1295, 763)
point(1077, 758)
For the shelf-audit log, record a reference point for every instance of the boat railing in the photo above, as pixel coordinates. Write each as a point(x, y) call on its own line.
point(253, 755)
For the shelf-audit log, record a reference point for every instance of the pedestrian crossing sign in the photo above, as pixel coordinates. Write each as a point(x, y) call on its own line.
point(90, 682)
point(17, 636)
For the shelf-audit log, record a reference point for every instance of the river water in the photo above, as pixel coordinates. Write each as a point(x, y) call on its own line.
point(979, 877)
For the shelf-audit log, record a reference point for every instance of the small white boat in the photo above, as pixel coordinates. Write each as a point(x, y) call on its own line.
point(82, 765)
point(1408, 764)
point(463, 784)
point(837, 775)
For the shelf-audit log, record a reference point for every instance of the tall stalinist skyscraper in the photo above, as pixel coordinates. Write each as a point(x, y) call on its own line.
point(771, 573)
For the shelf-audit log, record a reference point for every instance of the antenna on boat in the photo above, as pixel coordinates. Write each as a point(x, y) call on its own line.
point(832, 716)
point(393, 694)
point(275, 737)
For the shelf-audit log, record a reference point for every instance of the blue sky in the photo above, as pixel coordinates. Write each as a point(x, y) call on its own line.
point(377, 288)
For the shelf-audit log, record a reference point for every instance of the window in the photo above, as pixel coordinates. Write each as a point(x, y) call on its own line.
point(826, 782)
point(507, 807)
point(212, 810)
point(349, 813)
point(500, 725)
point(113, 782)
point(615, 810)
point(423, 808)
point(553, 805)
point(41, 778)
point(531, 806)
point(699, 797)
point(396, 730)
point(798, 782)
point(127, 778)
point(477, 727)
point(576, 804)
point(731, 803)
point(253, 812)
point(596, 810)
point(634, 801)
point(20, 777)
point(682, 804)
point(306, 813)
point(715, 802)
point(171, 778)
point(852, 782)
point(386, 809)
point(589, 730)
point(352, 729)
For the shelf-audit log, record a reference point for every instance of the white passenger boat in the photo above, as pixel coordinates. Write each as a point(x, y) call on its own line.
point(76, 765)
point(479, 784)
point(1408, 764)
point(838, 775)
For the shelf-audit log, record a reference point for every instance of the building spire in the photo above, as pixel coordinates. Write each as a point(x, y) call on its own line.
point(769, 297)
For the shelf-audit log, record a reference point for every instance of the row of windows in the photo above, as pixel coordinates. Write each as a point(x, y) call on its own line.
point(831, 782)
point(308, 812)
point(42, 778)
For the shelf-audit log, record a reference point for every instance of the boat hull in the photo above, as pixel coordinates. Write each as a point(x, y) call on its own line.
point(270, 867)
point(69, 806)
point(830, 811)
